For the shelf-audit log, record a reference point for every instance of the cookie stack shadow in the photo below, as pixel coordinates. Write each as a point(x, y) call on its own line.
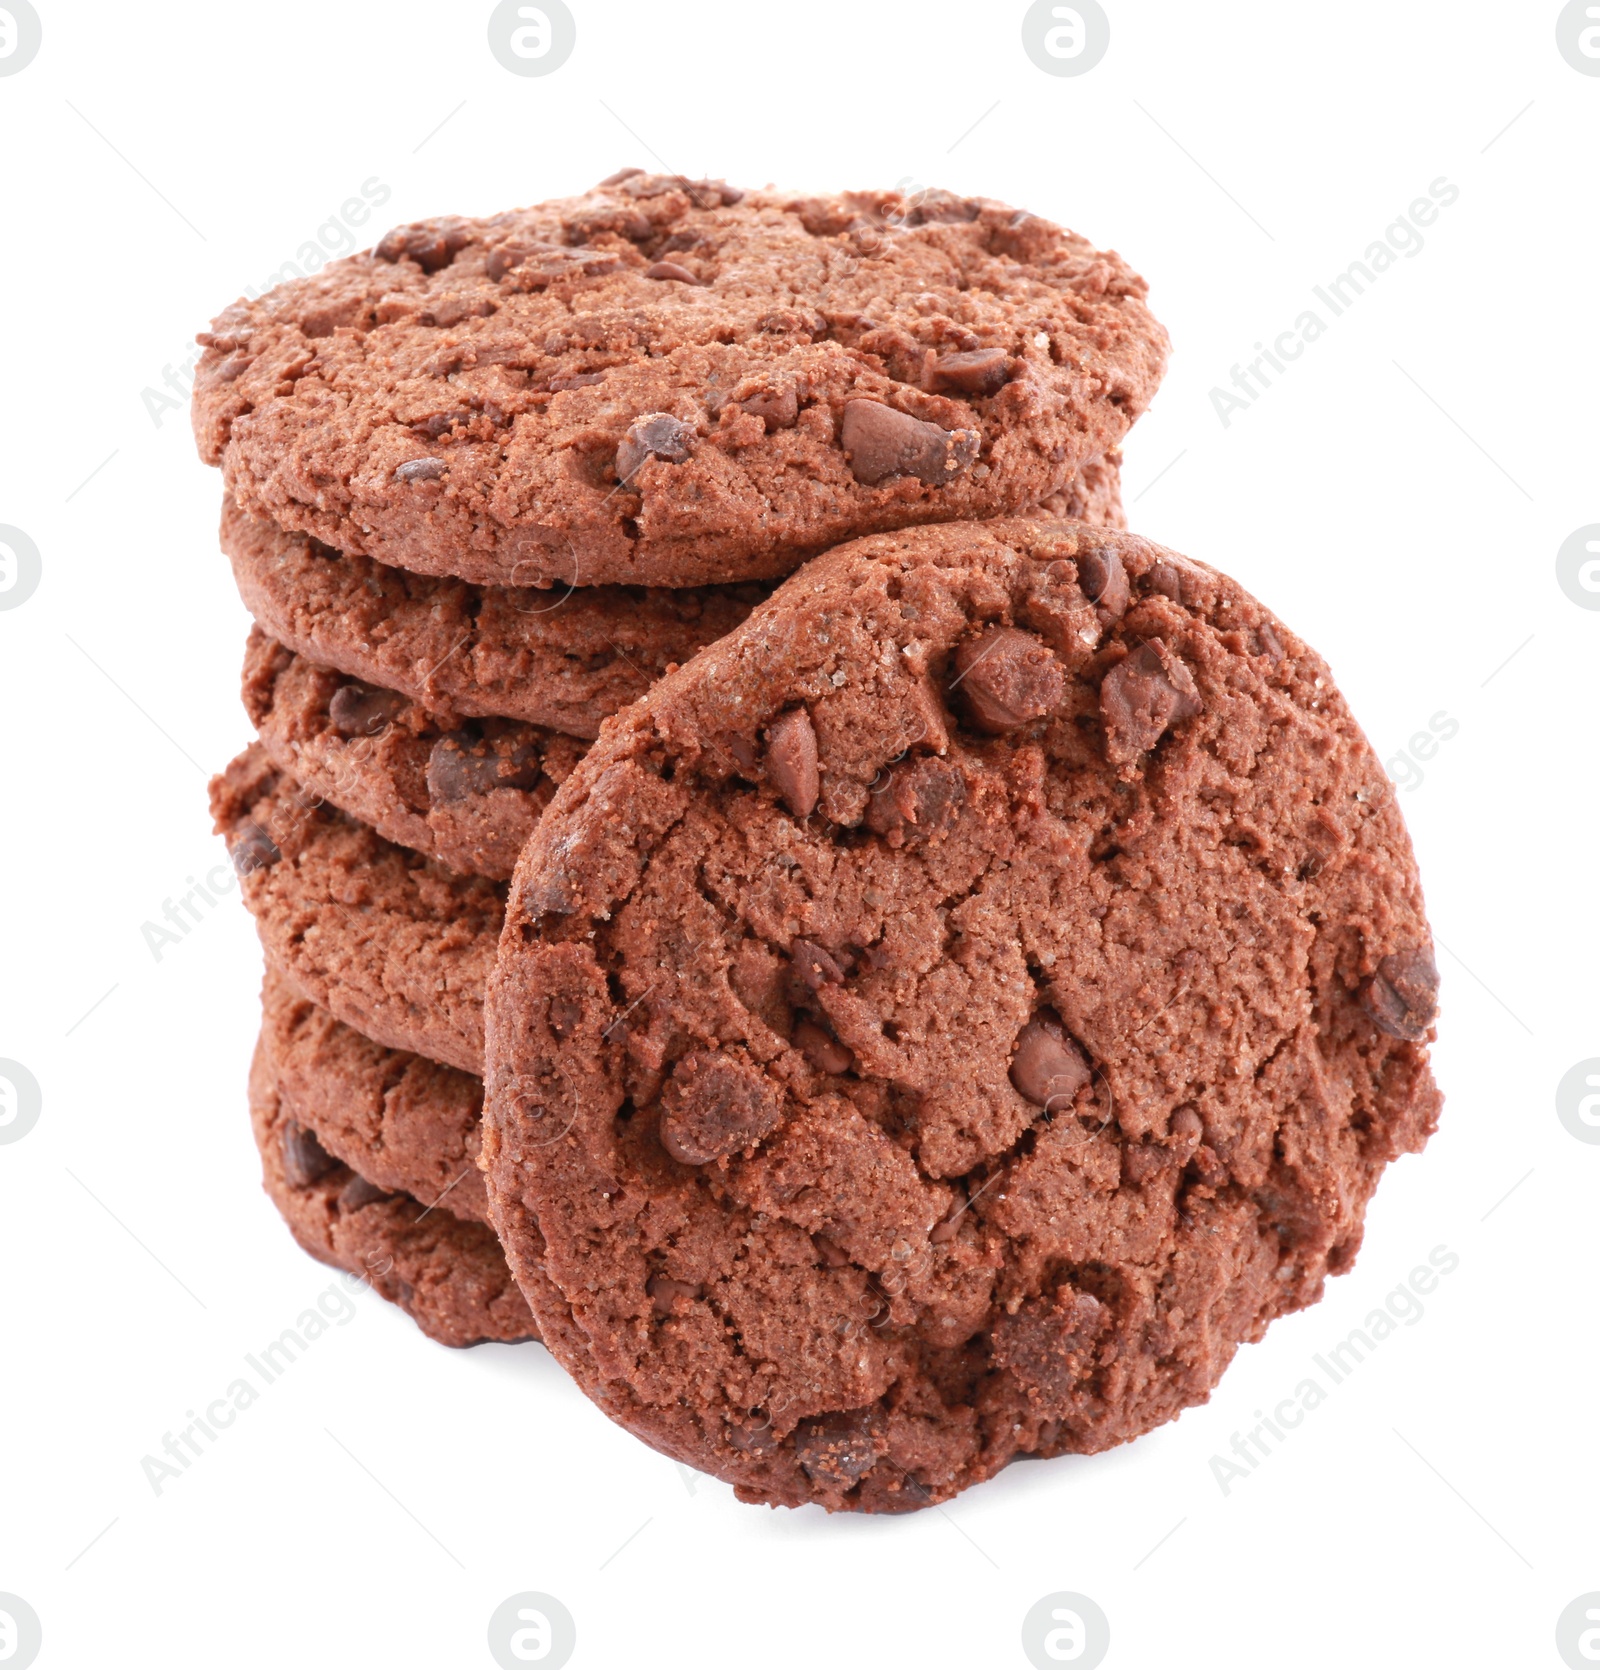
point(485, 487)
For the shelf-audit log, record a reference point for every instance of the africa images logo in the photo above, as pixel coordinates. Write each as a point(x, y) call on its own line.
point(20, 37)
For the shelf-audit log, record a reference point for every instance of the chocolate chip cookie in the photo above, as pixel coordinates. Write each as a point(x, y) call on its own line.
point(447, 1274)
point(466, 792)
point(666, 382)
point(387, 941)
point(947, 1017)
point(561, 658)
point(404, 1122)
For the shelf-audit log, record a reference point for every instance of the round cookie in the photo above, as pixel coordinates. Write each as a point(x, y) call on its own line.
point(404, 1122)
point(448, 1275)
point(947, 1017)
point(387, 941)
point(666, 382)
point(465, 792)
point(564, 658)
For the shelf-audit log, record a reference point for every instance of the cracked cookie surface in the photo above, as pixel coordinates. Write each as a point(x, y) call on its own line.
point(946, 1018)
point(670, 383)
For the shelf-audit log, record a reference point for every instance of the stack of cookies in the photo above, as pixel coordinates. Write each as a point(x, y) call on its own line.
point(946, 970)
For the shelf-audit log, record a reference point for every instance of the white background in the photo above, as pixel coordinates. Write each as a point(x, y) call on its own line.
point(1439, 1507)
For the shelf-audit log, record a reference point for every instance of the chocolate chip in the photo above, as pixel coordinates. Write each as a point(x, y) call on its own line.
point(1103, 579)
point(837, 1450)
point(706, 194)
point(1142, 1161)
point(441, 423)
point(1186, 1128)
point(358, 1192)
point(1047, 1066)
point(981, 371)
point(656, 435)
point(565, 1013)
point(1268, 643)
point(881, 443)
point(791, 761)
point(620, 175)
point(594, 223)
point(670, 269)
point(1165, 581)
point(822, 217)
point(252, 849)
point(304, 1158)
point(709, 193)
point(1403, 995)
point(917, 797)
point(1008, 678)
point(1141, 697)
point(819, 1046)
point(432, 244)
point(539, 265)
point(669, 1297)
point(363, 709)
point(778, 408)
point(752, 1437)
point(813, 967)
point(937, 206)
point(714, 1105)
point(830, 1252)
point(461, 764)
point(419, 469)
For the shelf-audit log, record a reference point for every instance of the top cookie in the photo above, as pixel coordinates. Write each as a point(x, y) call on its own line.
point(945, 1018)
point(672, 383)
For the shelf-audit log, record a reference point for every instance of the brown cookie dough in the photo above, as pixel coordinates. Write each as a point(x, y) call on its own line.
point(946, 1018)
point(669, 383)
point(467, 793)
point(402, 1121)
point(563, 658)
point(448, 1275)
point(387, 941)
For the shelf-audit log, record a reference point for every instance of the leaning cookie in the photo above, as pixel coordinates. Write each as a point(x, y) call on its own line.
point(404, 1122)
point(563, 658)
point(466, 792)
point(945, 1019)
point(448, 1275)
point(387, 941)
point(667, 382)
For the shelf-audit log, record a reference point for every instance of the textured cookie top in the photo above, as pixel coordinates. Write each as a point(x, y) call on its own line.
point(669, 383)
point(946, 1017)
